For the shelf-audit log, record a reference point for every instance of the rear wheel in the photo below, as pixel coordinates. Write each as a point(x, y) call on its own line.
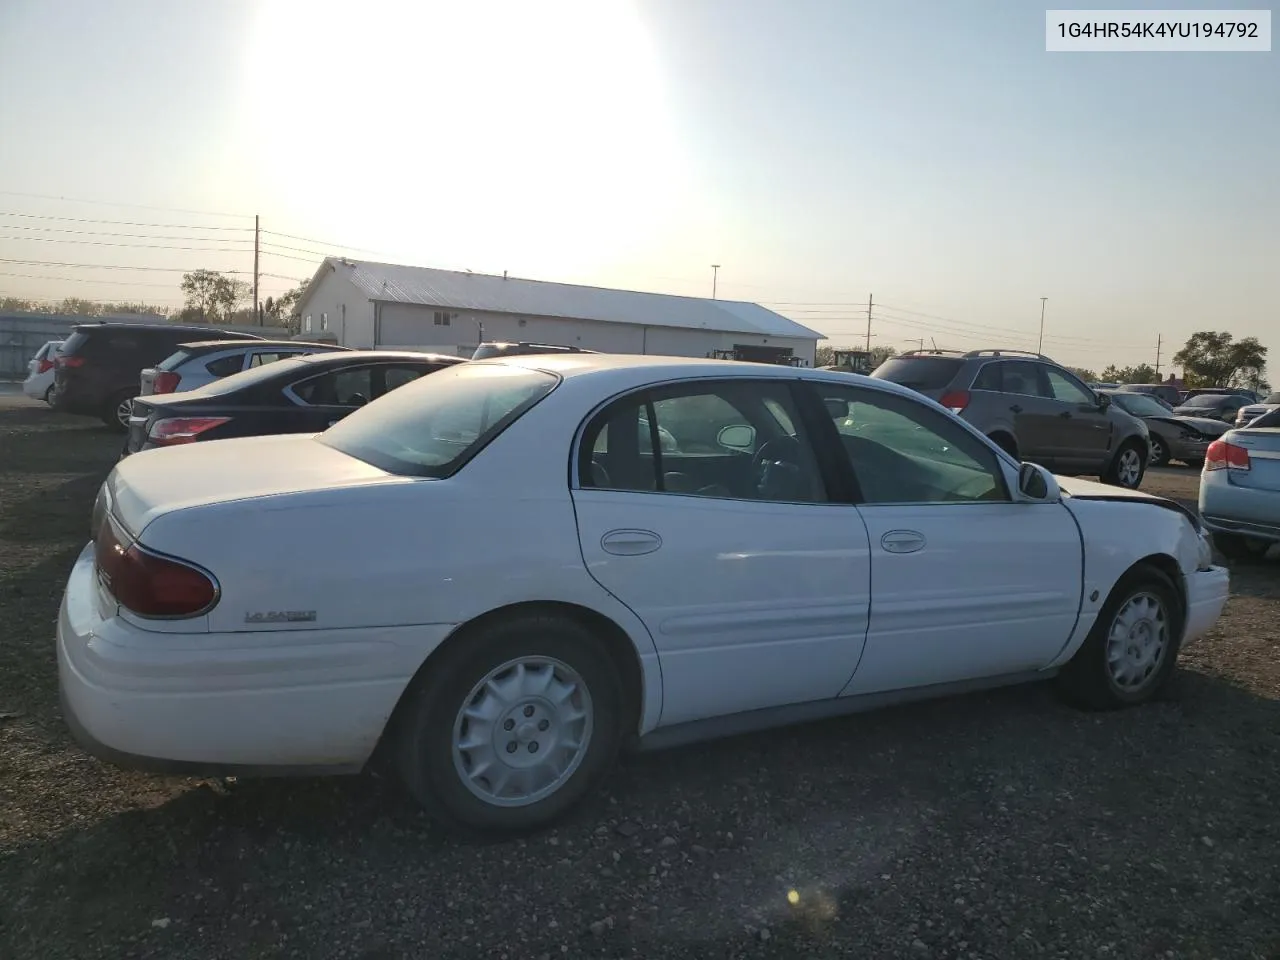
point(116, 412)
point(511, 728)
point(1127, 468)
point(1131, 650)
point(1159, 452)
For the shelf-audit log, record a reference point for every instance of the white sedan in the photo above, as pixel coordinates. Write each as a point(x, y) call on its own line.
point(491, 579)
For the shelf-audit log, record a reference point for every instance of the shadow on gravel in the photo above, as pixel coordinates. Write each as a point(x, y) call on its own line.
point(1259, 579)
point(50, 515)
point(977, 820)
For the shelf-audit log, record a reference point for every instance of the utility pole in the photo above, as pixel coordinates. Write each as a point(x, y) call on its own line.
point(1159, 343)
point(715, 272)
point(870, 301)
point(257, 307)
point(1040, 348)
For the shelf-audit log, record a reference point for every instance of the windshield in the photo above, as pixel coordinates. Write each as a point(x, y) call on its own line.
point(1208, 401)
point(1140, 405)
point(431, 428)
point(918, 373)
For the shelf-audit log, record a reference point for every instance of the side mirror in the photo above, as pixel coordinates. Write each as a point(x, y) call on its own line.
point(1036, 484)
point(1104, 400)
point(739, 436)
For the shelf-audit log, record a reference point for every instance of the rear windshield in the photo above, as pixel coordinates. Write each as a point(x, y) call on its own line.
point(174, 360)
point(919, 373)
point(74, 342)
point(1209, 400)
point(433, 426)
point(1139, 404)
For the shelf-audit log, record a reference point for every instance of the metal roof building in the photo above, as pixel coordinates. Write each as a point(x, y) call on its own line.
point(367, 304)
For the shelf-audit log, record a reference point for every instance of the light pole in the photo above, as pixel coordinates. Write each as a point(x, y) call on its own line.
point(1040, 347)
point(715, 272)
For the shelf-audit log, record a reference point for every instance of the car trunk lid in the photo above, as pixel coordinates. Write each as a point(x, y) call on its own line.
point(157, 482)
point(1263, 445)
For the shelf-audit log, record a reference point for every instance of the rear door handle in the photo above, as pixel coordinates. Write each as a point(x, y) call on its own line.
point(902, 541)
point(630, 543)
point(1015, 409)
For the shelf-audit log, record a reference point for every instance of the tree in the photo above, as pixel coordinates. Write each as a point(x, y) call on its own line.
point(1085, 374)
point(228, 294)
point(1142, 373)
point(1216, 359)
point(880, 354)
point(824, 356)
point(200, 288)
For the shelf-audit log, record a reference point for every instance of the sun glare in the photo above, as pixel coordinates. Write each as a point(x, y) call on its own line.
point(534, 131)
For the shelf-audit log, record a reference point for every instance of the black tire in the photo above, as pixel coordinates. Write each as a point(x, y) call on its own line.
point(110, 410)
point(1087, 679)
point(1118, 472)
point(423, 745)
point(1238, 548)
point(1005, 443)
point(1159, 452)
point(1194, 464)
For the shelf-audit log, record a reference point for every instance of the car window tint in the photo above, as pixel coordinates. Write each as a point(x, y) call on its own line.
point(399, 376)
point(1065, 388)
point(1021, 377)
point(904, 452)
point(225, 366)
point(258, 358)
point(989, 378)
point(352, 387)
point(729, 440)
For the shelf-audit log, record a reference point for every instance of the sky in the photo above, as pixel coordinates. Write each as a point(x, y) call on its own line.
point(926, 153)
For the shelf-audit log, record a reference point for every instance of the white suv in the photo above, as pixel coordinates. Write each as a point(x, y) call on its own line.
point(1253, 411)
point(193, 365)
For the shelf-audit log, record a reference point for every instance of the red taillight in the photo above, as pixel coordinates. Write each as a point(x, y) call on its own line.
point(182, 429)
point(72, 361)
point(166, 382)
point(955, 400)
point(148, 584)
point(45, 366)
point(1222, 455)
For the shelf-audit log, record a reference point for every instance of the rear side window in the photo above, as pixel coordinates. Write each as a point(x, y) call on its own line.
point(174, 360)
point(919, 373)
point(226, 366)
point(432, 427)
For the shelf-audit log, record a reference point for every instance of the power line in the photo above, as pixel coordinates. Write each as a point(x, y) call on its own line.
point(108, 203)
point(326, 243)
point(113, 233)
point(105, 266)
point(120, 283)
point(136, 246)
point(122, 223)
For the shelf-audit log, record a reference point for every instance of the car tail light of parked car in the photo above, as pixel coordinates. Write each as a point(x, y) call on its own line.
point(72, 361)
point(166, 381)
point(1222, 455)
point(955, 400)
point(44, 366)
point(148, 584)
point(173, 430)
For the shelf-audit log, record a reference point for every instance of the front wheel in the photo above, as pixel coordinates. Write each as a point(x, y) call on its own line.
point(511, 728)
point(1159, 453)
point(1131, 650)
point(1128, 467)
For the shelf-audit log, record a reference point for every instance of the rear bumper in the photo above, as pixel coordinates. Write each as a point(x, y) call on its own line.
point(1207, 593)
point(1189, 449)
point(1227, 508)
point(263, 702)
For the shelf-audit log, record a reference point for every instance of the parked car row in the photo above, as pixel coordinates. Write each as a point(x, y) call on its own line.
point(547, 559)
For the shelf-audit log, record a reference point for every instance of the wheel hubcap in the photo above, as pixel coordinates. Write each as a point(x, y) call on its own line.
point(1157, 450)
point(1137, 642)
point(1130, 467)
point(522, 731)
point(124, 411)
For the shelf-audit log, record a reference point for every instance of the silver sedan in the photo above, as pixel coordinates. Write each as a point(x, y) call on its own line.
point(1240, 489)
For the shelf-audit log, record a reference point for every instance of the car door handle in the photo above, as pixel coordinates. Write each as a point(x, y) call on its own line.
point(630, 543)
point(902, 541)
point(1015, 409)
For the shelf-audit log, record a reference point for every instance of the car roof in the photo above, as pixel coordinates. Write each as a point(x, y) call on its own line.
point(627, 369)
point(255, 344)
point(177, 327)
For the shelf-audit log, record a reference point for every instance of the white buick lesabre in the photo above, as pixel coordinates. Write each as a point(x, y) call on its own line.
point(501, 575)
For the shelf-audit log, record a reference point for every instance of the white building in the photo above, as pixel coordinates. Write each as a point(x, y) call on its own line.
point(388, 306)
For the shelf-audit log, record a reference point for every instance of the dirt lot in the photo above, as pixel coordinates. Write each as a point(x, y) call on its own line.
point(996, 826)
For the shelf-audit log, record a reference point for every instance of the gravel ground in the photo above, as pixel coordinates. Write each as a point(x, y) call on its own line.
point(998, 826)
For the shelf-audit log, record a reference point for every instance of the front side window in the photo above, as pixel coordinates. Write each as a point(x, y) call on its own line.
point(732, 439)
point(904, 452)
point(1021, 377)
point(432, 427)
point(1066, 388)
point(225, 366)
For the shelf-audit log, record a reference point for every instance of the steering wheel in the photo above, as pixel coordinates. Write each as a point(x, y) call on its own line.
point(776, 469)
point(777, 450)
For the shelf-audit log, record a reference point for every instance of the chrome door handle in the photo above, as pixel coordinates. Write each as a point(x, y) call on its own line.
point(902, 541)
point(630, 543)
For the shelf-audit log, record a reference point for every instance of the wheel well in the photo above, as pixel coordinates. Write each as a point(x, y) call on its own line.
point(1005, 441)
point(621, 650)
point(1169, 567)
